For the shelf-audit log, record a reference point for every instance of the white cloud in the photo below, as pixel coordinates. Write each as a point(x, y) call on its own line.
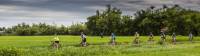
point(160, 1)
point(20, 11)
point(94, 8)
point(12, 15)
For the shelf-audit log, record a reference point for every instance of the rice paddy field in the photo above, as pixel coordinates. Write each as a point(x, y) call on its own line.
point(70, 46)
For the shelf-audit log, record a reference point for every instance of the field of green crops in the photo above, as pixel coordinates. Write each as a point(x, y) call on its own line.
point(40, 46)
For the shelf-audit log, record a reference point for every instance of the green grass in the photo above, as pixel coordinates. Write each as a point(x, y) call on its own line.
point(39, 46)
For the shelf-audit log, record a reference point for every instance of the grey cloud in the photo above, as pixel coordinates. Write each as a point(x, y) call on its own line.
point(84, 6)
point(78, 5)
point(75, 10)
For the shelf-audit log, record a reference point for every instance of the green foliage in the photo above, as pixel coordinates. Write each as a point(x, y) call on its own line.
point(45, 29)
point(107, 21)
point(75, 29)
point(168, 19)
point(173, 19)
point(36, 29)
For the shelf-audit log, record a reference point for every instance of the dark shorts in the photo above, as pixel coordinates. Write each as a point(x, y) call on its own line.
point(84, 39)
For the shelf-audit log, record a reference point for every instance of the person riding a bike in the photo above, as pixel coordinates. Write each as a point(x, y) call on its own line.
point(55, 42)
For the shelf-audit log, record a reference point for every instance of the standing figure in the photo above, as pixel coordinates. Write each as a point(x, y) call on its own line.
point(174, 38)
point(112, 39)
point(190, 37)
point(150, 36)
point(163, 38)
point(136, 40)
point(83, 37)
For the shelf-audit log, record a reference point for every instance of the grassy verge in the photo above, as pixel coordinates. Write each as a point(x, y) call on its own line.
point(39, 46)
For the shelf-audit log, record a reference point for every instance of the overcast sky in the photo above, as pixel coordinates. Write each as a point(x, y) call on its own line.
point(67, 12)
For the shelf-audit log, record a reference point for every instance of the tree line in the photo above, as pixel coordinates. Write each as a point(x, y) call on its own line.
point(24, 29)
point(167, 18)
